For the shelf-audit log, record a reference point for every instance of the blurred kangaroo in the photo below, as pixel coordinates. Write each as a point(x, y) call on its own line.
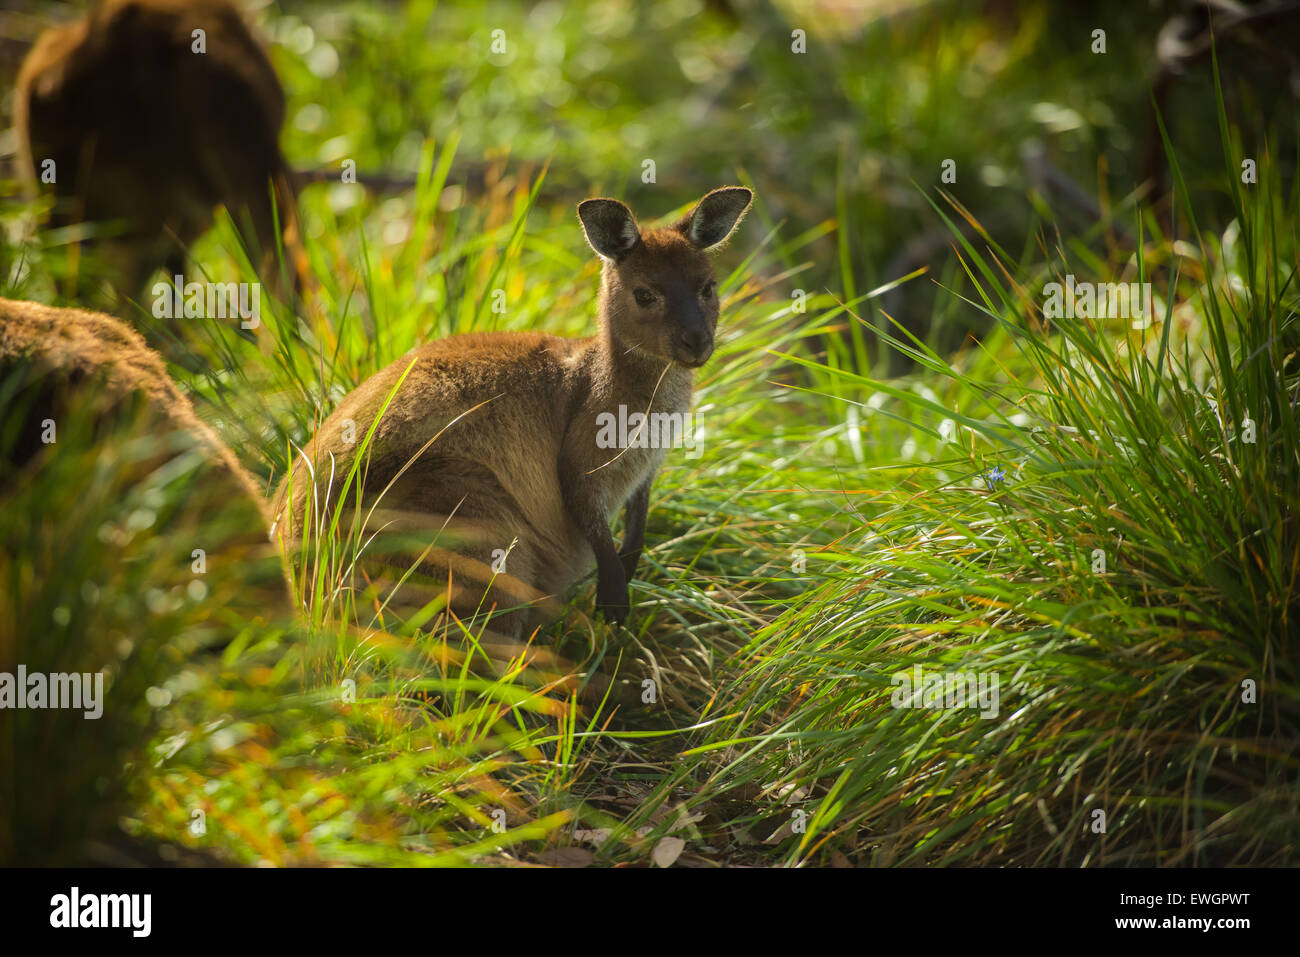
point(93, 437)
point(55, 363)
point(136, 118)
point(494, 452)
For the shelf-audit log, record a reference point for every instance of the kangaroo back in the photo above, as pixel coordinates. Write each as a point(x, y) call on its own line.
point(58, 365)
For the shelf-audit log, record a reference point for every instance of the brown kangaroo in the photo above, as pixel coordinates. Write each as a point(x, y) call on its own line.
point(57, 361)
point(139, 129)
point(496, 438)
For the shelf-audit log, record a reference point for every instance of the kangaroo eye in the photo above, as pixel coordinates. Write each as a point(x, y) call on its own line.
point(643, 297)
point(708, 290)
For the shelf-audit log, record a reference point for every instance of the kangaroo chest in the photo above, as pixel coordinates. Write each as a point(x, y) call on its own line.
point(632, 442)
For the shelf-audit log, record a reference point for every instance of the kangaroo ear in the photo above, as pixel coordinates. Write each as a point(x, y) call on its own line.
point(611, 230)
point(715, 216)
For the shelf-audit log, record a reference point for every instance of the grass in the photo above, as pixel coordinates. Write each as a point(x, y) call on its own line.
point(838, 528)
point(1133, 581)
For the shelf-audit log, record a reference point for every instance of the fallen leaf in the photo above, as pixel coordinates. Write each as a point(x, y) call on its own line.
point(667, 851)
point(596, 836)
point(567, 857)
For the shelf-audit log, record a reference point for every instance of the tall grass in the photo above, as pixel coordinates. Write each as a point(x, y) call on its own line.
point(1106, 522)
point(121, 553)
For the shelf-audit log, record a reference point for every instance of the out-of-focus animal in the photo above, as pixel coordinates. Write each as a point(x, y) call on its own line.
point(59, 363)
point(131, 539)
point(145, 115)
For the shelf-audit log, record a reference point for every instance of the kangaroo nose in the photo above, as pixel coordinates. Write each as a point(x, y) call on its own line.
point(693, 340)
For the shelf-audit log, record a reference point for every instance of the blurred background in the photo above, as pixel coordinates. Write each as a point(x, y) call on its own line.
point(1036, 121)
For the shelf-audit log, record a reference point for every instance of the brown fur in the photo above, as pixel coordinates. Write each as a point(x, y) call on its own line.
point(80, 358)
point(146, 133)
point(517, 457)
point(78, 346)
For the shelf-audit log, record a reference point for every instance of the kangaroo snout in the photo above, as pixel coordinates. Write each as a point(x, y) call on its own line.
point(693, 346)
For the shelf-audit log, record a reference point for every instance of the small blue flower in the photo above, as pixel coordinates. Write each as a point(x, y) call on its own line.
point(993, 477)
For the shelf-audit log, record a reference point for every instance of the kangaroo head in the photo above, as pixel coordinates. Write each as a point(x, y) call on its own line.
point(658, 296)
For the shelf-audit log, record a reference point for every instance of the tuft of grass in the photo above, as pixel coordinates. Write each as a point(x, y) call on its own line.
point(122, 555)
point(1101, 517)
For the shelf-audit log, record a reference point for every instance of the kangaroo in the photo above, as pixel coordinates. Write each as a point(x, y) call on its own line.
point(92, 428)
point(54, 360)
point(494, 439)
point(139, 122)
